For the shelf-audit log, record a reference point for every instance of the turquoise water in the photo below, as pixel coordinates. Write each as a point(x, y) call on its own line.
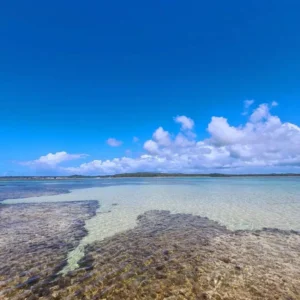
point(237, 203)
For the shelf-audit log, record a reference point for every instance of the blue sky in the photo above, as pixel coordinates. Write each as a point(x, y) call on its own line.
point(74, 74)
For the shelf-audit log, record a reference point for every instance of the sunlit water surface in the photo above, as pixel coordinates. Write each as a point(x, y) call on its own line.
point(238, 203)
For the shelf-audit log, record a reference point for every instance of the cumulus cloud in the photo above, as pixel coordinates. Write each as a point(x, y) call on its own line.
point(114, 142)
point(263, 141)
point(260, 114)
point(222, 133)
point(262, 144)
point(135, 139)
point(162, 137)
point(151, 146)
point(51, 160)
point(247, 104)
point(186, 123)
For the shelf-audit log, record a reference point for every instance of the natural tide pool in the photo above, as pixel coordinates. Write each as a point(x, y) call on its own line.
point(245, 203)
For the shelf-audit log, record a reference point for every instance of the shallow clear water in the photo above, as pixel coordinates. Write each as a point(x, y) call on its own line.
point(238, 203)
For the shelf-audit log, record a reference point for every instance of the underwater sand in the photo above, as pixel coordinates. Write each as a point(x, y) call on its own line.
point(237, 265)
point(121, 205)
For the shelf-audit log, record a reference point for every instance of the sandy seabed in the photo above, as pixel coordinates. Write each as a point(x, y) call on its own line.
point(165, 256)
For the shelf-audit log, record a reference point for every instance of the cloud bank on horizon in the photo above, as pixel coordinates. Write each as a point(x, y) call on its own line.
point(264, 143)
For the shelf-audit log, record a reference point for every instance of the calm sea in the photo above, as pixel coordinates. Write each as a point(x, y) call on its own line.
point(238, 203)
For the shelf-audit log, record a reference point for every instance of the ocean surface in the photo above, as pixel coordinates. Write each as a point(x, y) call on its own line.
point(244, 203)
point(238, 203)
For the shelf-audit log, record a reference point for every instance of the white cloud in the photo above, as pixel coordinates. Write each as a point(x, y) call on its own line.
point(151, 146)
point(248, 103)
point(261, 113)
point(162, 137)
point(53, 159)
point(135, 139)
point(262, 144)
point(114, 142)
point(222, 133)
point(186, 123)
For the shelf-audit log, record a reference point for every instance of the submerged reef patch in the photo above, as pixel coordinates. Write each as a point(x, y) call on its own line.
point(167, 256)
point(34, 242)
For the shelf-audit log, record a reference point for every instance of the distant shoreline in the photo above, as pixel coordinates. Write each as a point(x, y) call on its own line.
point(144, 175)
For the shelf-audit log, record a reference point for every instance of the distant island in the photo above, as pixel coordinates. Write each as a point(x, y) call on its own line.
point(142, 175)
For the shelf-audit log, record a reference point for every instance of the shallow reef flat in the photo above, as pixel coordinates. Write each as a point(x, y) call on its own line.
point(34, 242)
point(180, 256)
point(174, 256)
